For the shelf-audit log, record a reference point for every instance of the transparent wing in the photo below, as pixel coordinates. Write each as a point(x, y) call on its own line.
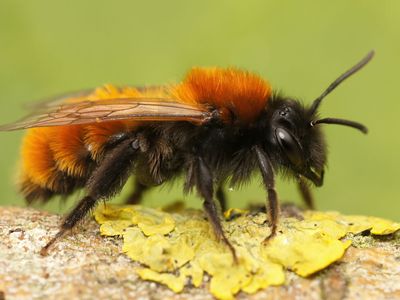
point(57, 100)
point(95, 111)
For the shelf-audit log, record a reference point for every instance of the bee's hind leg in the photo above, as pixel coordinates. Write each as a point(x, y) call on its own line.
point(105, 181)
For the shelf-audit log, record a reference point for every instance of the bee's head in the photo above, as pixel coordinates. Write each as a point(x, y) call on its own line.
point(298, 146)
point(296, 136)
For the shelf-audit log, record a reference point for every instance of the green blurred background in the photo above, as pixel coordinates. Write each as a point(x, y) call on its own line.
point(49, 47)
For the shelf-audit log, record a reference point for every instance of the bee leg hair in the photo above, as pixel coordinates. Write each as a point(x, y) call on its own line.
point(106, 181)
point(272, 204)
point(204, 184)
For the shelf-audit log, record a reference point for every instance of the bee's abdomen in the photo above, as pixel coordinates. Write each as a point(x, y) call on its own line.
point(58, 160)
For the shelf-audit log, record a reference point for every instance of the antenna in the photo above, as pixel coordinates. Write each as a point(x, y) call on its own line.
point(349, 123)
point(339, 80)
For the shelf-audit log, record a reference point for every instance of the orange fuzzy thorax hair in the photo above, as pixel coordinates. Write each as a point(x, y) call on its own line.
point(231, 90)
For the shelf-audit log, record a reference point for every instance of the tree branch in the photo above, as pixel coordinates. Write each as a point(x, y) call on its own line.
point(88, 265)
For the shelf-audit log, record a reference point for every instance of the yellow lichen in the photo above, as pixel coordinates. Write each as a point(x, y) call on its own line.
point(356, 224)
point(178, 248)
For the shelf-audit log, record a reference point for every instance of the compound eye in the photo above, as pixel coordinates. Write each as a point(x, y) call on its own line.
point(290, 146)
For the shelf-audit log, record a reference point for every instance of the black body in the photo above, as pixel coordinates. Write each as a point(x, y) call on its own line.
point(284, 138)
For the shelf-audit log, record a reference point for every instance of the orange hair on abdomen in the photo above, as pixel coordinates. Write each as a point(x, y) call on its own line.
point(38, 164)
point(231, 90)
point(56, 159)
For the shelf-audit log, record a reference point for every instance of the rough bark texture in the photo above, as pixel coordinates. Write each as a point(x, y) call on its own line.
point(88, 266)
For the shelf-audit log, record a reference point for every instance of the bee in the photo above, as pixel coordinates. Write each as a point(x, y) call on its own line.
point(215, 127)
